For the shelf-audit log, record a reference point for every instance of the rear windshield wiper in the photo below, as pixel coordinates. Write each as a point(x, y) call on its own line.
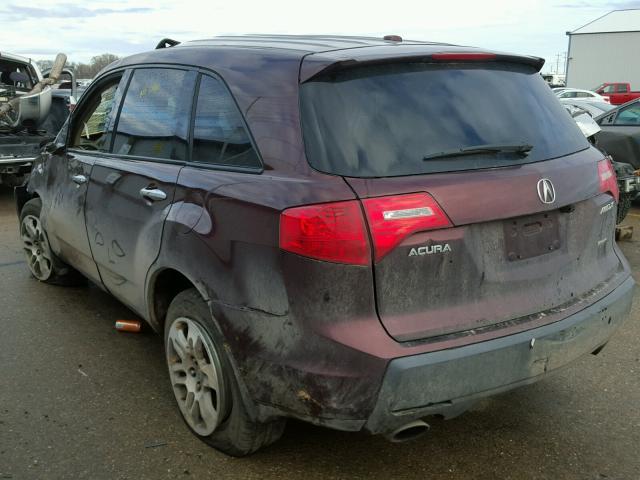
point(479, 149)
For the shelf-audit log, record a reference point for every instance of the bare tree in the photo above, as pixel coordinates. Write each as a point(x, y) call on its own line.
point(84, 70)
point(100, 61)
point(44, 64)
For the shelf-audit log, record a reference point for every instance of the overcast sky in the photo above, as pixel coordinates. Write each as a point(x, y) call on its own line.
point(84, 29)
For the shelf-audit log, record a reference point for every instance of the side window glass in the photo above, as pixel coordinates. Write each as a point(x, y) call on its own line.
point(629, 115)
point(608, 89)
point(219, 135)
point(154, 120)
point(93, 127)
point(622, 88)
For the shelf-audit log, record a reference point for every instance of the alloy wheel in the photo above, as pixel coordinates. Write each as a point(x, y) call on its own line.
point(196, 375)
point(36, 247)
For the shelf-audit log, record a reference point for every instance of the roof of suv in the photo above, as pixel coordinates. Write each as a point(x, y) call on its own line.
point(266, 52)
point(302, 43)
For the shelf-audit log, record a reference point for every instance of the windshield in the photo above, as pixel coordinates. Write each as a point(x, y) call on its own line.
point(387, 120)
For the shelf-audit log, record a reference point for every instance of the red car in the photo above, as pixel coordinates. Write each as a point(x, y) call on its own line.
point(617, 92)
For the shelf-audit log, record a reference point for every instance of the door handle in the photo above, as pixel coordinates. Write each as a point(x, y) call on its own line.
point(153, 194)
point(79, 179)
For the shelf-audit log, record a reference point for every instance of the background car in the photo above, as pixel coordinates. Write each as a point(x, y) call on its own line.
point(620, 135)
point(31, 113)
point(620, 138)
point(618, 93)
point(578, 94)
point(628, 181)
point(593, 107)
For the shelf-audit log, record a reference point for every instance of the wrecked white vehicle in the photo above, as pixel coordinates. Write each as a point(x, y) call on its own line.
point(30, 114)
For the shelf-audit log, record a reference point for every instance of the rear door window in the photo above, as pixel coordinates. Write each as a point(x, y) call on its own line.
point(622, 88)
point(220, 136)
point(154, 121)
point(391, 120)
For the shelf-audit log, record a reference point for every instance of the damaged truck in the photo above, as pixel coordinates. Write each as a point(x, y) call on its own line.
point(31, 113)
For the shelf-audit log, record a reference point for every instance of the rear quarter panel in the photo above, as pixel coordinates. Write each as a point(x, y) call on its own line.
point(280, 314)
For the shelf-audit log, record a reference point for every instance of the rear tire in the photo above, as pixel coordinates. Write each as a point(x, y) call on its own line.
point(197, 361)
point(624, 205)
point(44, 265)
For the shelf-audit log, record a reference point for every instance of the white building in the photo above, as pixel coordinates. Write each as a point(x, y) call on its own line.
point(605, 50)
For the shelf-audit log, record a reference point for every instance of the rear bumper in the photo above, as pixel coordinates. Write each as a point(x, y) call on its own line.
point(448, 382)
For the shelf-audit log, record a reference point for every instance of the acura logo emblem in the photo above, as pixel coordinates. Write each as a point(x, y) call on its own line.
point(546, 192)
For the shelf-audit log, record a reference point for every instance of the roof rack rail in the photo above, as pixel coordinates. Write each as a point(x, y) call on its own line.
point(166, 43)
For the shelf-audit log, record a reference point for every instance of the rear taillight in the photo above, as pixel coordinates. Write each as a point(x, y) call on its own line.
point(391, 219)
point(334, 232)
point(608, 180)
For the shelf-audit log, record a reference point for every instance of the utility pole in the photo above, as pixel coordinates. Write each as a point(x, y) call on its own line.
point(562, 55)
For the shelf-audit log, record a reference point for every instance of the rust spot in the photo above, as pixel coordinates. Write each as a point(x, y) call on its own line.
point(305, 397)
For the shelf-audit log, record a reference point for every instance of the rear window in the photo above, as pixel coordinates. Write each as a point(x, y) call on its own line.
point(383, 120)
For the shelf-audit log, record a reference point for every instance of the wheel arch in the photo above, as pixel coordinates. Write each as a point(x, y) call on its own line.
point(22, 195)
point(163, 285)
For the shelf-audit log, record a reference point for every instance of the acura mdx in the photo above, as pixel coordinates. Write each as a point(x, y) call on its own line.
point(359, 233)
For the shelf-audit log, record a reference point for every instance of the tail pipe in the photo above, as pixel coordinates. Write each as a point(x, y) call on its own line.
point(409, 431)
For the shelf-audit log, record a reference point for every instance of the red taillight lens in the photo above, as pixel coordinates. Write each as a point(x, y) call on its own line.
point(391, 219)
point(608, 179)
point(334, 232)
point(463, 56)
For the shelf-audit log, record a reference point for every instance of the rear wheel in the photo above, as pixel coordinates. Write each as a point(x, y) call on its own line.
point(43, 263)
point(624, 205)
point(204, 383)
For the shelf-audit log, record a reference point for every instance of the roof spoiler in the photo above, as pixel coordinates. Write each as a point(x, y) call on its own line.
point(167, 43)
point(314, 67)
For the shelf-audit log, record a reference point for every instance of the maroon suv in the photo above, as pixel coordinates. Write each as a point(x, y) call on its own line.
point(354, 232)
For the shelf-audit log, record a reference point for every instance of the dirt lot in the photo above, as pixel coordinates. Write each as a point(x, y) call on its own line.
point(80, 400)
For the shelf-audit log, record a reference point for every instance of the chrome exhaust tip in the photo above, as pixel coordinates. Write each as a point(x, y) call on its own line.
point(410, 431)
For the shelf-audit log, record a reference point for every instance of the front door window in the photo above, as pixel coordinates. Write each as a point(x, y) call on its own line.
point(93, 128)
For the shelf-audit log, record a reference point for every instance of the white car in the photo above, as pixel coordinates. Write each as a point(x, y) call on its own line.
point(578, 94)
point(593, 107)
